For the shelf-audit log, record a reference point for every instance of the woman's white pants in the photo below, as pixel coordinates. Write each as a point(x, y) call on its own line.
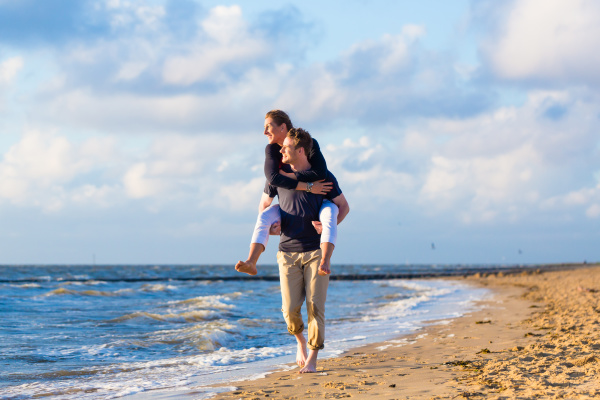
point(327, 215)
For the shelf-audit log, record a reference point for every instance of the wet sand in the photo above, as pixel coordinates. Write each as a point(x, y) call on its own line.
point(537, 336)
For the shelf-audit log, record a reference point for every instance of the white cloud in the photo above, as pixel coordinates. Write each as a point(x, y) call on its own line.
point(484, 187)
point(102, 195)
point(150, 113)
point(49, 171)
point(585, 200)
point(40, 169)
point(513, 161)
point(225, 24)
point(138, 184)
point(144, 83)
point(369, 173)
point(177, 166)
point(503, 165)
point(378, 81)
point(240, 195)
point(133, 13)
point(131, 70)
point(9, 69)
point(548, 39)
point(593, 211)
point(232, 45)
point(131, 113)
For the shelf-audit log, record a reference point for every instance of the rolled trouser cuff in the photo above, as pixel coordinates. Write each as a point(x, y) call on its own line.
point(293, 330)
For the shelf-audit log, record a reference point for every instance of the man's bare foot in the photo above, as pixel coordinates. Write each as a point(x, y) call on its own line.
point(311, 363)
point(247, 267)
point(301, 354)
point(324, 268)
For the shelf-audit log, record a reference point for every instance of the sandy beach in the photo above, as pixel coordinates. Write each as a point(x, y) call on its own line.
point(536, 336)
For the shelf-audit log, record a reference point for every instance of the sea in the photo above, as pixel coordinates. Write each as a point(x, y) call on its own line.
point(136, 331)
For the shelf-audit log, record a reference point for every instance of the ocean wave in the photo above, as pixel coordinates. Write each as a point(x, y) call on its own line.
point(430, 288)
point(211, 301)
point(208, 336)
point(253, 323)
point(157, 287)
point(191, 316)
point(74, 277)
point(91, 282)
point(27, 286)
point(64, 291)
point(409, 302)
point(116, 381)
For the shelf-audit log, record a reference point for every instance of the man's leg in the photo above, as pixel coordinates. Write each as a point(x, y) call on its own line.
point(316, 294)
point(301, 351)
point(260, 238)
point(291, 279)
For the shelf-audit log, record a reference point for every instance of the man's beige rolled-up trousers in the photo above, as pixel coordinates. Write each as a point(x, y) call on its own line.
point(299, 281)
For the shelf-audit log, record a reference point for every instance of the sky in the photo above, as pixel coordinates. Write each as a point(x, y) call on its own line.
point(463, 132)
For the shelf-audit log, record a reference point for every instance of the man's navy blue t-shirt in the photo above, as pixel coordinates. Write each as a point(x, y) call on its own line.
point(298, 210)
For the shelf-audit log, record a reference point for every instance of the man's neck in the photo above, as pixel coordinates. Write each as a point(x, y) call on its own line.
point(301, 165)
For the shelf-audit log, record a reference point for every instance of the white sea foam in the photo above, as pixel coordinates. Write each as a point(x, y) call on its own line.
point(61, 291)
point(211, 301)
point(26, 285)
point(131, 378)
point(157, 287)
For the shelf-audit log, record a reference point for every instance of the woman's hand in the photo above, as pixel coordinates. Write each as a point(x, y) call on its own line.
point(321, 187)
point(275, 229)
point(318, 226)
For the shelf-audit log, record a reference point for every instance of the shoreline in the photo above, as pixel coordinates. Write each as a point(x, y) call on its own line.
point(510, 347)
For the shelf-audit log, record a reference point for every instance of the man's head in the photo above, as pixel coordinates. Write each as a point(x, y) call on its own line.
point(277, 124)
point(296, 146)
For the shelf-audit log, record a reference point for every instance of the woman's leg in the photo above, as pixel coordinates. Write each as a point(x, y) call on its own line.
point(328, 217)
point(260, 238)
point(265, 219)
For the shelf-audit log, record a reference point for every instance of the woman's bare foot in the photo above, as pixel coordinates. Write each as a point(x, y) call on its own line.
point(301, 354)
point(247, 267)
point(311, 363)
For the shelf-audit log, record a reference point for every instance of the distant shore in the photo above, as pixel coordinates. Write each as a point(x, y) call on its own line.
point(537, 336)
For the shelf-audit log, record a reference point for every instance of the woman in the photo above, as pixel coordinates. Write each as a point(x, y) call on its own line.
point(277, 124)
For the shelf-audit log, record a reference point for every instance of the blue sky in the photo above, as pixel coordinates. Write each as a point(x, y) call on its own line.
point(131, 131)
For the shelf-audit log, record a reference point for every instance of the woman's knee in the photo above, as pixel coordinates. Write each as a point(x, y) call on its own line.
point(269, 216)
point(329, 212)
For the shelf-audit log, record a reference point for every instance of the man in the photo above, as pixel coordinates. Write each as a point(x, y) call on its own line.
point(302, 274)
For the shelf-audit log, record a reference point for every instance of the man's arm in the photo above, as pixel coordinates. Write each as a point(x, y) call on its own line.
point(343, 207)
point(343, 210)
point(265, 201)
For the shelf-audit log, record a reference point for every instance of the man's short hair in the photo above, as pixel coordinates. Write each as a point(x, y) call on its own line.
point(280, 117)
point(301, 138)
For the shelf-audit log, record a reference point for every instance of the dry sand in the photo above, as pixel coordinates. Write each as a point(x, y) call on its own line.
point(538, 337)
